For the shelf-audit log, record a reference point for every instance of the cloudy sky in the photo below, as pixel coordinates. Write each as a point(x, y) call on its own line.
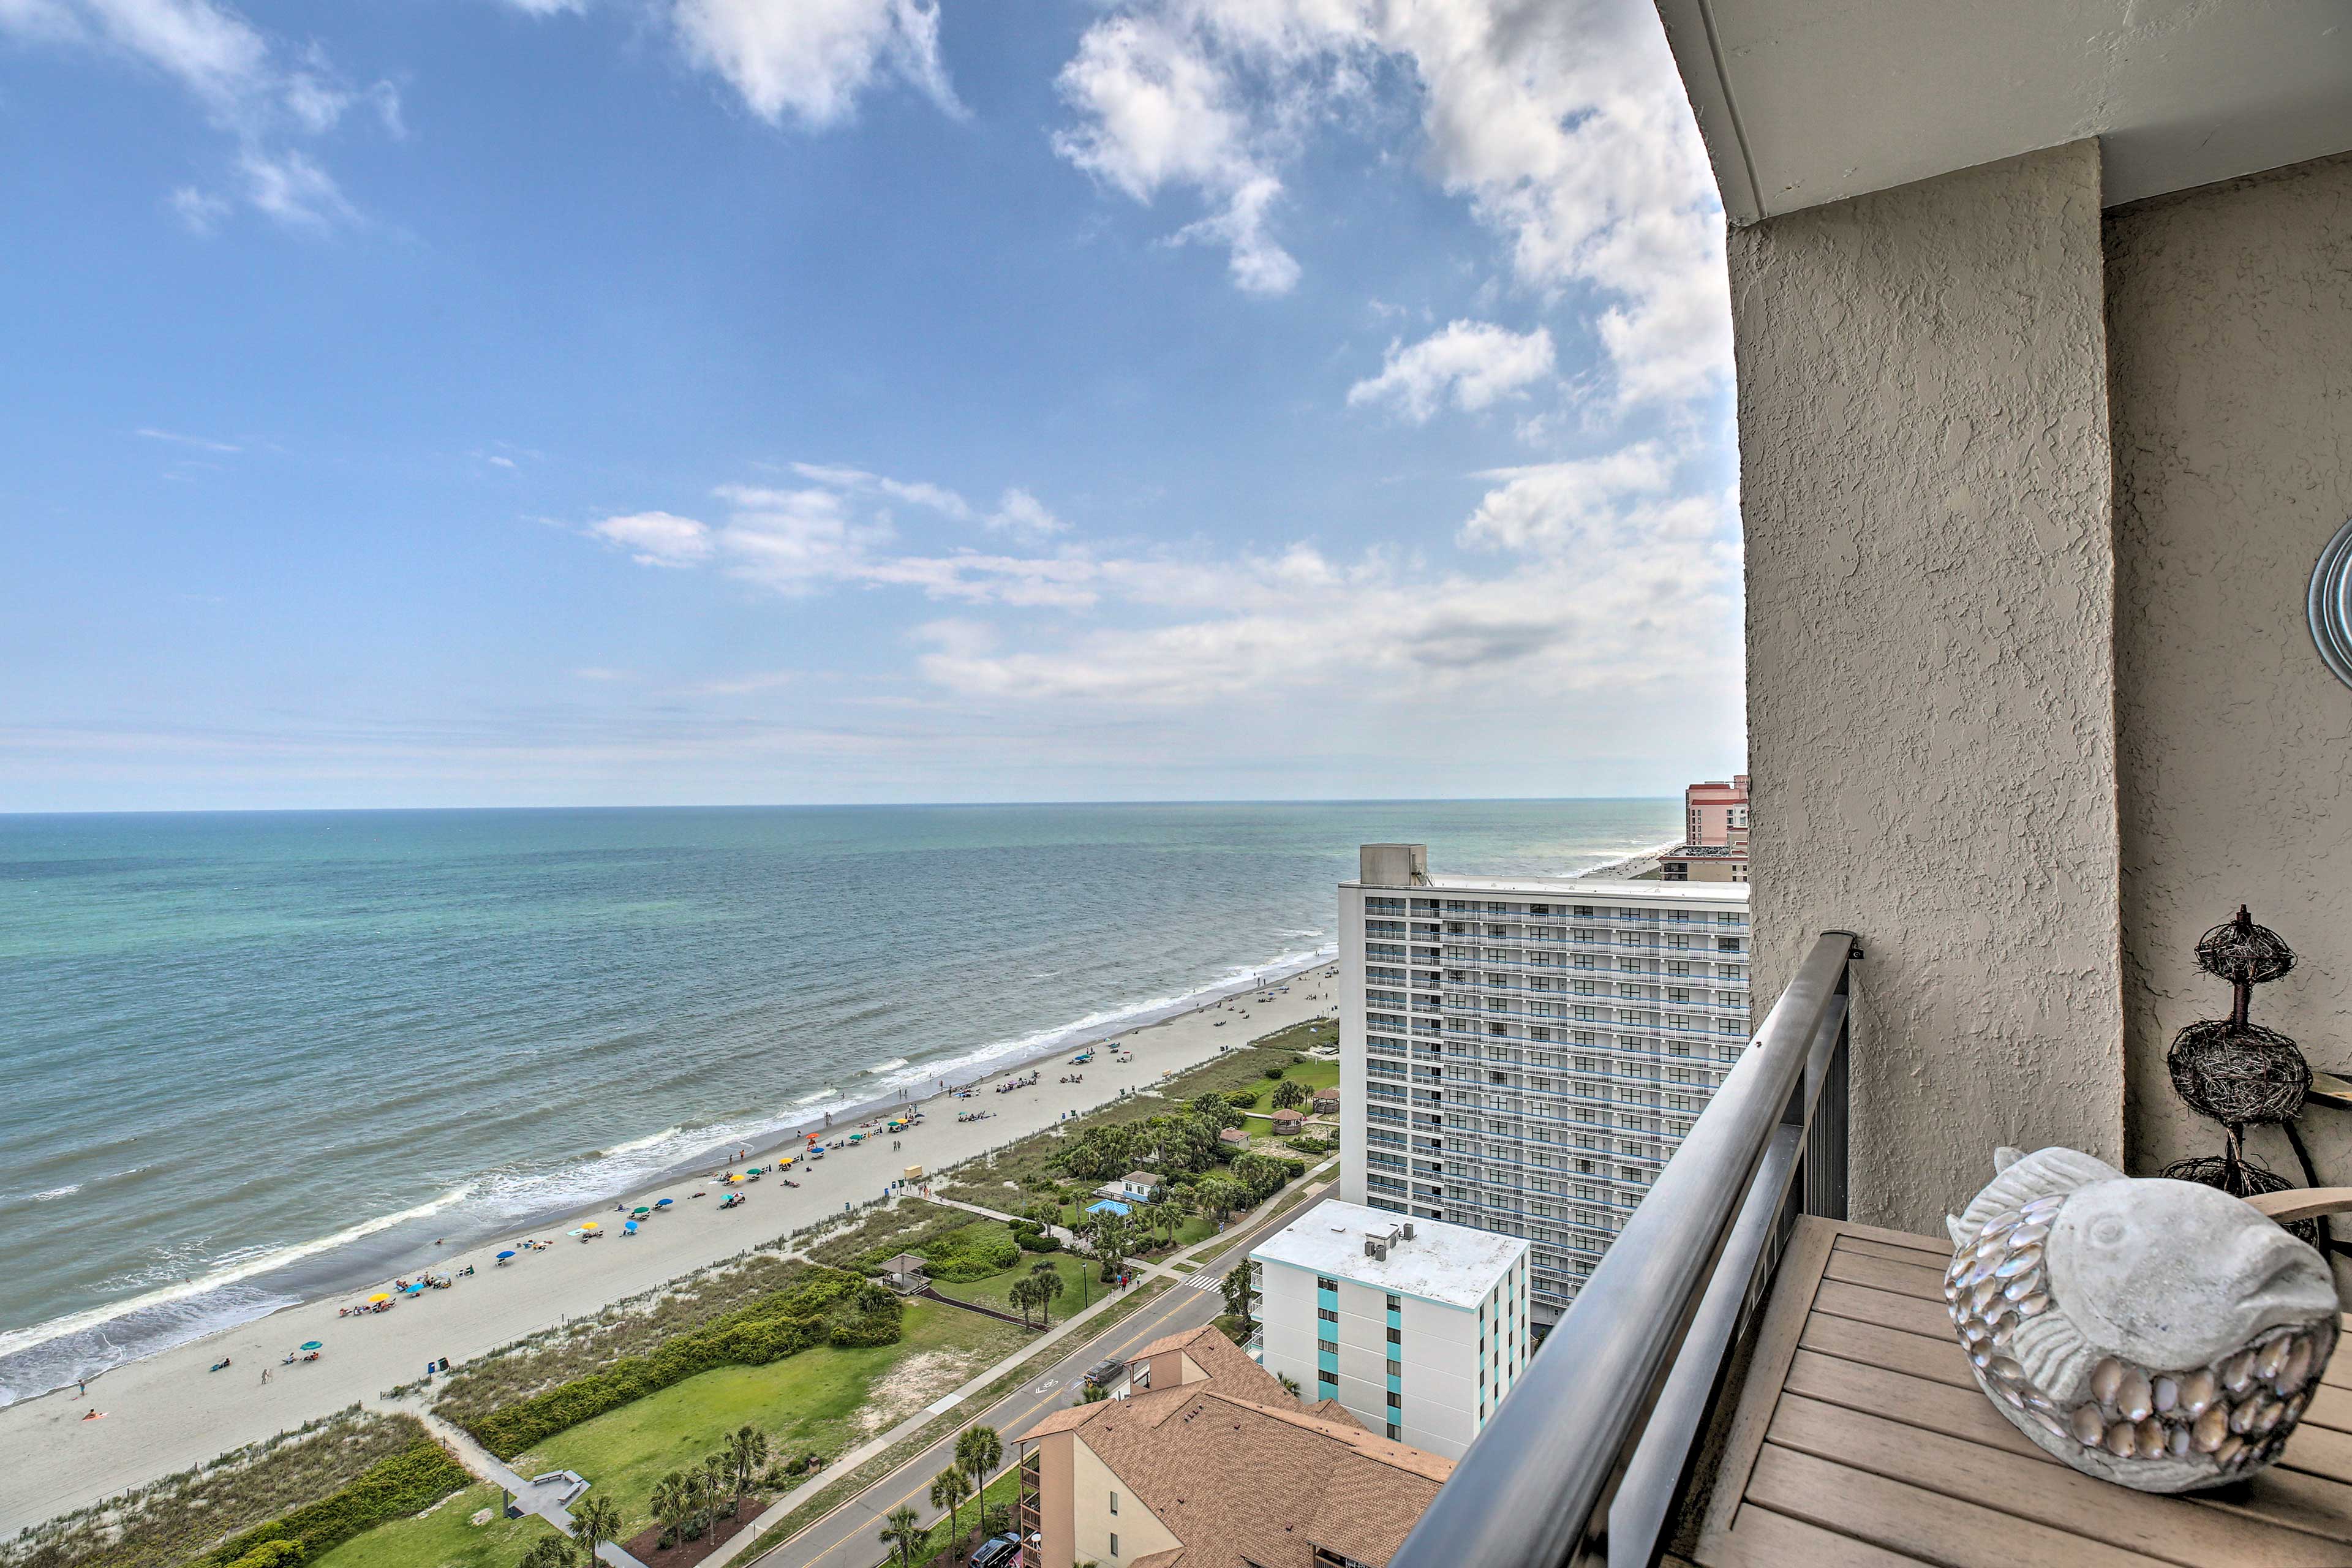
point(506, 402)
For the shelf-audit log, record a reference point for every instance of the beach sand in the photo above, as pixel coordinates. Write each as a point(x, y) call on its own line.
point(167, 1412)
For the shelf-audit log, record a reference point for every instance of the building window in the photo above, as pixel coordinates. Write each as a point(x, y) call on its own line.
point(1392, 1431)
point(1396, 1336)
point(1329, 1347)
point(1114, 1503)
point(1114, 1543)
point(1327, 1314)
point(1395, 1302)
point(1323, 1284)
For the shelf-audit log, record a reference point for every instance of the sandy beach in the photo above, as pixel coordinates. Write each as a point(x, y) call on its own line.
point(168, 1412)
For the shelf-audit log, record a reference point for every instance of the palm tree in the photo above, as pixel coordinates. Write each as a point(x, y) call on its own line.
point(595, 1521)
point(1021, 1296)
point(699, 1500)
point(673, 1504)
point(1290, 1092)
point(717, 1471)
point(979, 1450)
point(948, 1488)
point(1289, 1384)
point(902, 1533)
point(551, 1551)
point(1049, 1285)
point(747, 1451)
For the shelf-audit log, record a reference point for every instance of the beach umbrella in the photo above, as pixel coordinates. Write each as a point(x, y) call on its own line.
point(504, 1256)
point(381, 1296)
point(312, 1345)
point(641, 1211)
point(631, 1228)
point(663, 1203)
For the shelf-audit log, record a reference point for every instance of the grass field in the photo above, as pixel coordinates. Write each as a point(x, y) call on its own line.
point(823, 1399)
point(443, 1536)
point(993, 1291)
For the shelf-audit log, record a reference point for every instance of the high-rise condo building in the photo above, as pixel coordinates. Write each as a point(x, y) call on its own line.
point(1416, 1327)
point(1523, 1055)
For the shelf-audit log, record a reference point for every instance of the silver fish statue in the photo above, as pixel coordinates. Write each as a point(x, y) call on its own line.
point(2159, 1334)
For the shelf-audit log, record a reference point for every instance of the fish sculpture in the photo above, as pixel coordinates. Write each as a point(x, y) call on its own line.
point(2159, 1334)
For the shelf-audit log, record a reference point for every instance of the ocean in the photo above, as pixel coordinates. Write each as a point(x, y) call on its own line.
point(251, 1057)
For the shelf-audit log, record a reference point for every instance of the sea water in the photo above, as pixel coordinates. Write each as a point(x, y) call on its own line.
point(249, 1058)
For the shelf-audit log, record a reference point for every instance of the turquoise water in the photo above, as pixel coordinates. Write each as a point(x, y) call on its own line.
point(255, 1056)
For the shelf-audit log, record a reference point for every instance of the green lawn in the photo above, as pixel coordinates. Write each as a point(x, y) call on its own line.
point(993, 1290)
point(443, 1538)
point(1313, 1074)
point(810, 1401)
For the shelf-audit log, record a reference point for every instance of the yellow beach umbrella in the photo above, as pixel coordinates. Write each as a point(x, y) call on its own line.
point(593, 1225)
point(381, 1296)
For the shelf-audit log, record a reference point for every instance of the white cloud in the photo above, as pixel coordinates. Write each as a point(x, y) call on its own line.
point(1560, 122)
point(1551, 506)
point(810, 59)
point(202, 444)
point(258, 92)
point(658, 538)
point(1157, 112)
point(1024, 516)
point(1476, 364)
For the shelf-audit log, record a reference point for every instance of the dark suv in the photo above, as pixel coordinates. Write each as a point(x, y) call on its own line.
point(997, 1552)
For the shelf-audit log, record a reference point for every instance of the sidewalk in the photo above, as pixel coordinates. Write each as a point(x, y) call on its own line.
point(1060, 1233)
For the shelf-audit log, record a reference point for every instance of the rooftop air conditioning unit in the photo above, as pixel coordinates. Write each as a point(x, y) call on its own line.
point(1408, 1230)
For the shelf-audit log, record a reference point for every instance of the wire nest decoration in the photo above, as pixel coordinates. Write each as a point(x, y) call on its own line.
point(2242, 952)
point(2239, 1074)
point(2241, 1176)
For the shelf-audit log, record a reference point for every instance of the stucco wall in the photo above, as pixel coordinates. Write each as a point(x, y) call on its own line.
point(1925, 481)
point(2231, 334)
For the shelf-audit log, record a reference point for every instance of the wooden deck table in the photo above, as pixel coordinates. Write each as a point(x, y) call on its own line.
point(1860, 1440)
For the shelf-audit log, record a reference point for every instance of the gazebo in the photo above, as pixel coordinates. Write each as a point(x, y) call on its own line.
point(905, 1274)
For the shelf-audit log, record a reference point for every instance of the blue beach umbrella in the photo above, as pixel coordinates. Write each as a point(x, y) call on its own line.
point(662, 1202)
point(504, 1256)
point(312, 1345)
point(630, 1229)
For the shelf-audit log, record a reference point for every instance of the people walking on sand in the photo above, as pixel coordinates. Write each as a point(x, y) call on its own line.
point(265, 1374)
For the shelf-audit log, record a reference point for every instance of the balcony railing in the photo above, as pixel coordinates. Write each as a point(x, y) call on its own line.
point(1587, 1460)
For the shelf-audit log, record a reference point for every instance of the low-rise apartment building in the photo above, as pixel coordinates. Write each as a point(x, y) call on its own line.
point(1523, 1055)
point(1209, 1463)
point(1416, 1327)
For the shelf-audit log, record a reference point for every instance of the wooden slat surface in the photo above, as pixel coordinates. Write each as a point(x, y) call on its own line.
point(1861, 1438)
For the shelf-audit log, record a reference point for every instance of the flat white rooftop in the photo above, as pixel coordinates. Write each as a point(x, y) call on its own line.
point(1450, 1263)
point(1573, 890)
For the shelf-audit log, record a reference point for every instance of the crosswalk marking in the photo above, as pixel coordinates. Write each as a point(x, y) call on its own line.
point(1206, 1281)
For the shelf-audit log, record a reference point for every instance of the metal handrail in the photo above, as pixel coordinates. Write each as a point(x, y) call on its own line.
point(1537, 1487)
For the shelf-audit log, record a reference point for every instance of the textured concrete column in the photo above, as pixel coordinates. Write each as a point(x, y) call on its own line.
point(2229, 320)
point(1926, 482)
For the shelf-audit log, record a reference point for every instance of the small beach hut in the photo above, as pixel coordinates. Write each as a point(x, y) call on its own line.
point(905, 1273)
point(1233, 1137)
point(914, 1172)
point(1288, 1121)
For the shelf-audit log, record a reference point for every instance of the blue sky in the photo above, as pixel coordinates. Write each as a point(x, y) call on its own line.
point(440, 402)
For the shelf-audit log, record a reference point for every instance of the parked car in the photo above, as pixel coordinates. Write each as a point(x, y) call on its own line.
point(996, 1552)
point(1106, 1371)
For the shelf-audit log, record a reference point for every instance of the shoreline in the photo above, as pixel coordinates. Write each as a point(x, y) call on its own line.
point(165, 1412)
point(414, 1239)
point(1624, 871)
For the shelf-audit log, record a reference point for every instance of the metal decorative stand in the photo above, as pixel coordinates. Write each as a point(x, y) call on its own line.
point(2243, 1075)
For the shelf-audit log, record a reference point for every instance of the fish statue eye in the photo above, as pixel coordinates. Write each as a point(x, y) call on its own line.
point(2107, 1232)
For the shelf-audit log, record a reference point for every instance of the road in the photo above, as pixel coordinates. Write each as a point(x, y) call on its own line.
point(849, 1537)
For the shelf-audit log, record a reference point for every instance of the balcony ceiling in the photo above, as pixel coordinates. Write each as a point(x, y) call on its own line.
point(1807, 101)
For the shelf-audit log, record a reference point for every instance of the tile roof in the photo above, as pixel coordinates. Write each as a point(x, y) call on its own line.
point(1242, 1475)
point(1242, 1483)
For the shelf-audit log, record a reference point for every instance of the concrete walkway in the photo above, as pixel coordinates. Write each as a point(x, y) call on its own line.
point(546, 1501)
point(841, 1536)
point(1060, 1233)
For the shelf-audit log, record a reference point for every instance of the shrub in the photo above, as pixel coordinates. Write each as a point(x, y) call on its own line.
point(1274, 1072)
point(1034, 1241)
point(1241, 1099)
point(409, 1482)
point(272, 1555)
point(971, 1251)
point(835, 1308)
